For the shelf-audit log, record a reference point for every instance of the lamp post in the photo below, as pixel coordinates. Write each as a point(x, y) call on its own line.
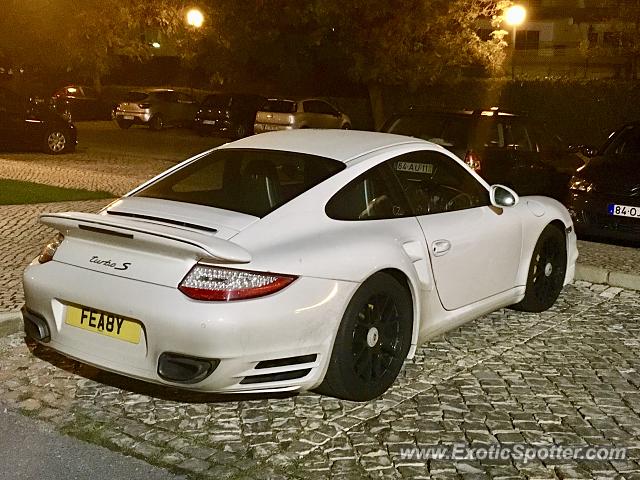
point(195, 18)
point(514, 16)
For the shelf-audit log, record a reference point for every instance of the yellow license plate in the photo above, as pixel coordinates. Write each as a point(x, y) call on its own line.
point(103, 323)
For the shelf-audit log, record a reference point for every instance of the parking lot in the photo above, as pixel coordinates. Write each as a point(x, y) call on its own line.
point(568, 376)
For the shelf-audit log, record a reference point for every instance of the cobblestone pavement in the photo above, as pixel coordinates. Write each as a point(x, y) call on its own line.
point(568, 376)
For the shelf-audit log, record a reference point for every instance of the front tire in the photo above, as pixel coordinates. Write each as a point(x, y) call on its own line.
point(57, 141)
point(546, 271)
point(372, 341)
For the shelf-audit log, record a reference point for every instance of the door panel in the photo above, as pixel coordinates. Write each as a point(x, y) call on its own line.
point(474, 248)
point(475, 253)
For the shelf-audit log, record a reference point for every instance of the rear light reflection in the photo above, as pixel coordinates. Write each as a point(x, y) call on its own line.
point(473, 160)
point(209, 283)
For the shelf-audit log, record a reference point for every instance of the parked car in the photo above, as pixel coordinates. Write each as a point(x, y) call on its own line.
point(33, 125)
point(79, 102)
point(280, 114)
point(230, 114)
point(156, 108)
point(604, 197)
point(502, 147)
point(292, 261)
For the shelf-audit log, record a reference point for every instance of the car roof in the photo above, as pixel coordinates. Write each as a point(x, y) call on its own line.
point(341, 145)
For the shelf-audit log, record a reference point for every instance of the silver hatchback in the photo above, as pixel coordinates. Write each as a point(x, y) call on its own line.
point(156, 108)
point(281, 114)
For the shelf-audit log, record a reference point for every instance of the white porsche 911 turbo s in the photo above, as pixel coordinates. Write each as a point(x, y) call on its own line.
point(292, 261)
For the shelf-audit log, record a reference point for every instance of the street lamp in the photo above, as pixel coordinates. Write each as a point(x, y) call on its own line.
point(195, 18)
point(514, 16)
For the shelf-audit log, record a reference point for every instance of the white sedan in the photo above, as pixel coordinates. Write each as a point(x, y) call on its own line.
point(309, 259)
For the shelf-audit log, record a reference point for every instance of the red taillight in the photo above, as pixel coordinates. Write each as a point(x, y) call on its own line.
point(144, 105)
point(210, 283)
point(49, 250)
point(473, 160)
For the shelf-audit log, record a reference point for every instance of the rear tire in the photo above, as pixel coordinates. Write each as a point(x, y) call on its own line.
point(124, 124)
point(156, 123)
point(546, 271)
point(240, 131)
point(372, 341)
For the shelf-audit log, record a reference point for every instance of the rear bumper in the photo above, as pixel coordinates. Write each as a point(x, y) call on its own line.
point(300, 321)
point(135, 117)
point(270, 127)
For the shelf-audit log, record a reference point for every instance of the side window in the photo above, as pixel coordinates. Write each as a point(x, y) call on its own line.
point(517, 136)
point(327, 109)
point(374, 195)
point(310, 106)
point(435, 183)
point(184, 98)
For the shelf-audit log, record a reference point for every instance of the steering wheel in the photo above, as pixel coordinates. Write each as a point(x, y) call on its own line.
point(466, 201)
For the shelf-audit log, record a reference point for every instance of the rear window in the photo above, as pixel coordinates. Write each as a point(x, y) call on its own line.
point(135, 96)
point(279, 106)
point(254, 182)
point(218, 101)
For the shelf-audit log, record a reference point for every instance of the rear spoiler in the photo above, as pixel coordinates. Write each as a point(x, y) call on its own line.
point(204, 245)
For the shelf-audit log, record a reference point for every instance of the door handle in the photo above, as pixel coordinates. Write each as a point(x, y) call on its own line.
point(440, 247)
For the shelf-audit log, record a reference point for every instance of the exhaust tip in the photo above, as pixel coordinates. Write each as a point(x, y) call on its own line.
point(35, 326)
point(178, 368)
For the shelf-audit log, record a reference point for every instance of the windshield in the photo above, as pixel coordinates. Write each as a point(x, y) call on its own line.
point(279, 106)
point(254, 182)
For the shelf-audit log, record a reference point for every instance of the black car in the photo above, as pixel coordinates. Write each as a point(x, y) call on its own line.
point(79, 102)
point(27, 124)
point(502, 147)
point(604, 196)
point(229, 114)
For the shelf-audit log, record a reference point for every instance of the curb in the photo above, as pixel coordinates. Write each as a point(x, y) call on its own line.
point(593, 274)
point(10, 322)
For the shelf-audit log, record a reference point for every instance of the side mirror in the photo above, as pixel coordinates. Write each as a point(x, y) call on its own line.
point(502, 196)
point(586, 150)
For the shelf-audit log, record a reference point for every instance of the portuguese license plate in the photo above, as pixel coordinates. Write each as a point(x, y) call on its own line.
point(624, 210)
point(128, 117)
point(208, 122)
point(103, 323)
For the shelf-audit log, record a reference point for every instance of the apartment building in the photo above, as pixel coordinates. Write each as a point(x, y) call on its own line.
point(577, 39)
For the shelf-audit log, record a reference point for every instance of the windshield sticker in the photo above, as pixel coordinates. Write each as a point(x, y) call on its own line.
point(414, 167)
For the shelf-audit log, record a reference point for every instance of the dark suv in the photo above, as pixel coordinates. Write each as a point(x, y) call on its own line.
point(230, 114)
point(502, 147)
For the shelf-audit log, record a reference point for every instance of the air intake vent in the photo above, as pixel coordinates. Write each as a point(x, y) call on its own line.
point(283, 362)
point(275, 377)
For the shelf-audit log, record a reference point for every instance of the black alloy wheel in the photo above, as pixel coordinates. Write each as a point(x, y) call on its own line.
point(546, 271)
point(372, 342)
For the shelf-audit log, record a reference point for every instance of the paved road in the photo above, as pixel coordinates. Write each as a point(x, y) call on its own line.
point(33, 450)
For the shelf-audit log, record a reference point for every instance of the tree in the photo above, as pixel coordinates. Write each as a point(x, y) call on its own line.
point(374, 43)
point(85, 36)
